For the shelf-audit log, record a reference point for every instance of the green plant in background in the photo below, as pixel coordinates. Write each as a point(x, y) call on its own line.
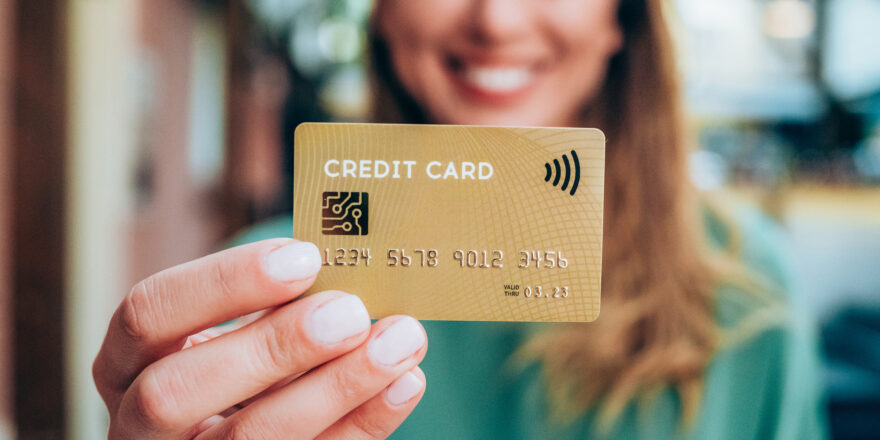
point(325, 42)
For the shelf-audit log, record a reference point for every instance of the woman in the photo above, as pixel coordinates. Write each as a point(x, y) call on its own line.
point(686, 345)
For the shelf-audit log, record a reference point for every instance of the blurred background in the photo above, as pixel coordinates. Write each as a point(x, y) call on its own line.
point(138, 134)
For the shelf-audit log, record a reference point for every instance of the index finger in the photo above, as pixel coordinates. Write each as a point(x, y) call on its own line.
point(162, 310)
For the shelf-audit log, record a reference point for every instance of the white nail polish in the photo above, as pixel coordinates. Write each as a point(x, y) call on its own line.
point(339, 319)
point(397, 342)
point(296, 261)
point(404, 388)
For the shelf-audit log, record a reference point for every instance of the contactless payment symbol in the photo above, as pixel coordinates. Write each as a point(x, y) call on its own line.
point(572, 173)
point(344, 213)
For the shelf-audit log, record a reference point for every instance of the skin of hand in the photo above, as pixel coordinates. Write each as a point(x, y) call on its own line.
point(310, 368)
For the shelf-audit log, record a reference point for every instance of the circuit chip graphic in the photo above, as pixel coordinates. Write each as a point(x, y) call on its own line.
point(344, 213)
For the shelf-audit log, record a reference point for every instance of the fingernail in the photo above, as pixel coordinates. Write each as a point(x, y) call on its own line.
point(339, 319)
point(404, 388)
point(296, 261)
point(397, 342)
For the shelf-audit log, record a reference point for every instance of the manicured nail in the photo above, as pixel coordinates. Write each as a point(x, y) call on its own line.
point(404, 388)
point(397, 342)
point(339, 319)
point(296, 261)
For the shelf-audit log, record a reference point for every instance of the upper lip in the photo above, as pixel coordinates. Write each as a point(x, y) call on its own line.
point(493, 60)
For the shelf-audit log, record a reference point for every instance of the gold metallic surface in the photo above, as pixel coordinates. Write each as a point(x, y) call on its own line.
point(511, 247)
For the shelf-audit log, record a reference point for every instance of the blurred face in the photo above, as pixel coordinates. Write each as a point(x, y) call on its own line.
point(501, 62)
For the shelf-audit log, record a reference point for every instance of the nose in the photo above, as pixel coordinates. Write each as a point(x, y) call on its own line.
point(500, 20)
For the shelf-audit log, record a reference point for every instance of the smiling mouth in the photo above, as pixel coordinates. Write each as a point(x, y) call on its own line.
point(493, 82)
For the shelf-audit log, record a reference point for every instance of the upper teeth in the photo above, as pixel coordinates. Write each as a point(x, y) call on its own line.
point(498, 79)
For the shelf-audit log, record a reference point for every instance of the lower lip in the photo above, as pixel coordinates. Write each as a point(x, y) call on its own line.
point(487, 97)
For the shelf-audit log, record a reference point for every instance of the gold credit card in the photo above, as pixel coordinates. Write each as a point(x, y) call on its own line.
point(447, 222)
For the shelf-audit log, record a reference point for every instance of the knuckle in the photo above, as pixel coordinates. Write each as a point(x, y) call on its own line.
point(280, 347)
point(155, 406)
point(369, 425)
point(224, 276)
point(137, 312)
point(99, 375)
point(236, 429)
point(346, 385)
point(98, 371)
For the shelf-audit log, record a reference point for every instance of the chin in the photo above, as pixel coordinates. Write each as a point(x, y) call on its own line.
point(462, 115)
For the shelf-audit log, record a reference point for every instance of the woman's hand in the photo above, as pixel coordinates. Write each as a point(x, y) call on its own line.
point(309, 368)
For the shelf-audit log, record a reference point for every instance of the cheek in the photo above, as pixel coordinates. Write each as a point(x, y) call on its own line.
point(585, 61)
point(586, 47)
point(414, 30)
point(589, 25)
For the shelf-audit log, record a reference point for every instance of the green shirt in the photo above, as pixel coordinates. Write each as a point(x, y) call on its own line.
point(764, 386)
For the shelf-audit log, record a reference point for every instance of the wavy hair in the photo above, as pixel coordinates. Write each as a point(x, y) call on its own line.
point(657, 328)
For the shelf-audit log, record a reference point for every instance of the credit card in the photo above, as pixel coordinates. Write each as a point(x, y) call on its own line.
point(449, 222)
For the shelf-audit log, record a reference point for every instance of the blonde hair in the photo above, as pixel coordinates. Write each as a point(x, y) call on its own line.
point(657, 327)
